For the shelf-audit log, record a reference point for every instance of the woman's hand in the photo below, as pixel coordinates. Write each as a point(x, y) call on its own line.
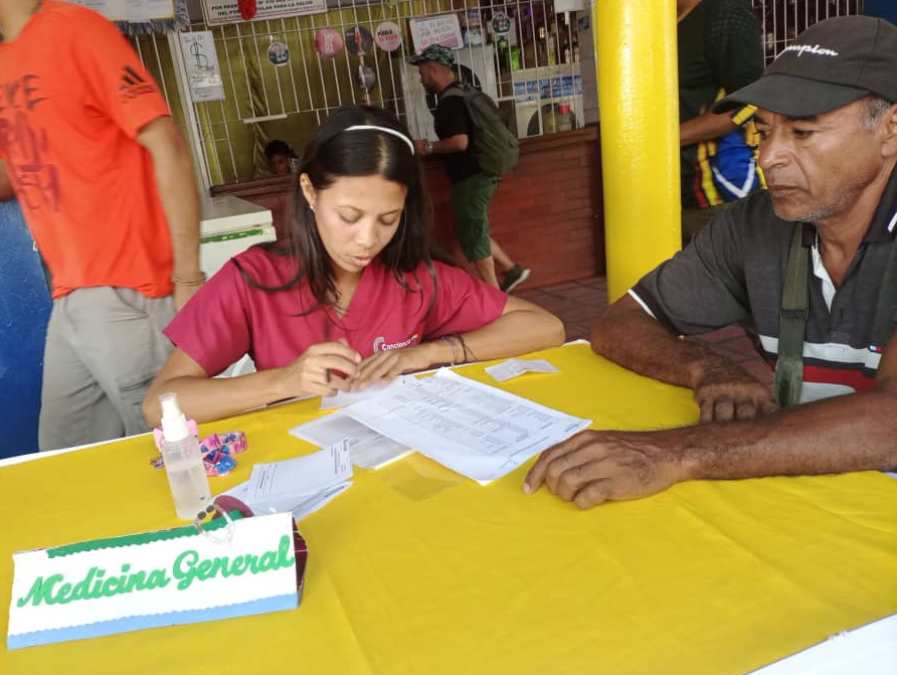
point(322, 370)
point(386, 366)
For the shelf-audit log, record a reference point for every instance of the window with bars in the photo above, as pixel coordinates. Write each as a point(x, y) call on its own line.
point(533, 71)
point(784, 20)
point(530, 66)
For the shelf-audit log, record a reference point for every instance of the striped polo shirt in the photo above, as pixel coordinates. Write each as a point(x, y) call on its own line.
point(734, 271)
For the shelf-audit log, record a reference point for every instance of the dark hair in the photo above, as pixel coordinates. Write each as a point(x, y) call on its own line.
point(278, 147)
point(334, 152)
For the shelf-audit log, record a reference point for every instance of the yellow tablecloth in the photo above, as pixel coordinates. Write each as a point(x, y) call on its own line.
point(417, 570)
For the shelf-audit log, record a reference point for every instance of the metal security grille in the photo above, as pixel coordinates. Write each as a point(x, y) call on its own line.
point(784, 20)
point(532, 71)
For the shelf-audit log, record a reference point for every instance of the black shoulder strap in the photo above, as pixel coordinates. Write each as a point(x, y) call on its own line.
point(795, 310)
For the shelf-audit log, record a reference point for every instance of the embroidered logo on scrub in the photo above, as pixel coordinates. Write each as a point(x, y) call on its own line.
point(381, 345)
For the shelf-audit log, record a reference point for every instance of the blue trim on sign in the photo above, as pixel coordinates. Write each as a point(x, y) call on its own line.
point(274, 604)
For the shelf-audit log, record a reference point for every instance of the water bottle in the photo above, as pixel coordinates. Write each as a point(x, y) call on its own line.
point(183, 461)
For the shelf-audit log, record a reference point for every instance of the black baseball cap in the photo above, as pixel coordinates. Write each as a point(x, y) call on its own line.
point(831, 64)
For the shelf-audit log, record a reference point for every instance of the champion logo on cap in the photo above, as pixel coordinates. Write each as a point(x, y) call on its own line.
point(809, 49)
point(832, 64)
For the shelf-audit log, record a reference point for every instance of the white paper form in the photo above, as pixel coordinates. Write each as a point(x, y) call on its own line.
point(302, 475)
point(472, 428)
point(369, 449)
point(513, 367)
point(301, 485)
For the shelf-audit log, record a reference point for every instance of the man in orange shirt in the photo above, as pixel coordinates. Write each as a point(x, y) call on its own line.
point(106, 184)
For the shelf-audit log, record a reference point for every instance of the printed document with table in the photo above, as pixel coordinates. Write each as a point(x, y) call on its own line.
point(476, 430)
point(472, 428)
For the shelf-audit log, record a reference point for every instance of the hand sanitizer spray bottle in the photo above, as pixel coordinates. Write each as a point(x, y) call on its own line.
point(183, 461)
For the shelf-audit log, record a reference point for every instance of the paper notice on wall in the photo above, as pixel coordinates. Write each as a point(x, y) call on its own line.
point(134, 11)
point(442, 29)
point(219, 12)
point(201, 63)
point(147, 10)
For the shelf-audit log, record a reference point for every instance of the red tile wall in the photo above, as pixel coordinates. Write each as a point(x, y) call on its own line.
point(546, 214)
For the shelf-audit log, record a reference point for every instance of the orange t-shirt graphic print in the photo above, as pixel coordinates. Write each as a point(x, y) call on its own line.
point(73, 98)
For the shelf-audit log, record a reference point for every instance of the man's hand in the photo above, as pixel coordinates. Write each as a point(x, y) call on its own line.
point(176, 184)
point(312, 372)
point(421, 147)
point(727, 392)
point(388, 365)
point(597, 466)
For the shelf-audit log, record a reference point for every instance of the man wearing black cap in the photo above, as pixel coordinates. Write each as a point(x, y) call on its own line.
point(809, 267)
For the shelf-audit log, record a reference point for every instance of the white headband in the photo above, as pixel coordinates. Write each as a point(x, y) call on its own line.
point(385, 130)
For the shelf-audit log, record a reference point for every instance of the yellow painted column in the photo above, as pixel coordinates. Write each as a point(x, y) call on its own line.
point(638, 93)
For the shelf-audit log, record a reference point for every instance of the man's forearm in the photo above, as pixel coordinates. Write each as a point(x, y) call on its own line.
point(173, 169)
point(837, 435)
point(628, 336)
point(704, 127)
point(177, 190)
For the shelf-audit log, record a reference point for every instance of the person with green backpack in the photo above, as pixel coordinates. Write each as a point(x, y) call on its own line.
point(477, 148)
point(808, 267)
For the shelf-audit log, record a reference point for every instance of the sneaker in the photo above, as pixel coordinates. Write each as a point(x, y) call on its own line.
point(514, 277)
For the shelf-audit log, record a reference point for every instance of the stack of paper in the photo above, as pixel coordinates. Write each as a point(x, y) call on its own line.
point(301, 485)
point(472, 428)
point(369, 450)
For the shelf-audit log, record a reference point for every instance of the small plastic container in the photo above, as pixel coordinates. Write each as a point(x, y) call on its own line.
point(183, 461)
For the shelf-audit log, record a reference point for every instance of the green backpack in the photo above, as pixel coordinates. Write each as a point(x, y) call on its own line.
point(494, 146)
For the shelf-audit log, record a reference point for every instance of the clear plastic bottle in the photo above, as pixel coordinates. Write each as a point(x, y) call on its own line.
point(183, 461)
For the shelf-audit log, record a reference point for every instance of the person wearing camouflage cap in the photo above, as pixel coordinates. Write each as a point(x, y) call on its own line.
point(808, 266)
point(472, 189)
point(434, 54)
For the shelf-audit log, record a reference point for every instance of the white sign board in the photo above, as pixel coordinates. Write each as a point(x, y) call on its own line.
point(218, 12)
point(442, 29)
point(201, 63)
point(136, 11)
point(151, 580)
